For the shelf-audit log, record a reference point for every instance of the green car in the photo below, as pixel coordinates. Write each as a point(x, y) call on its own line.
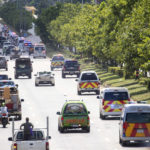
point(74, 114)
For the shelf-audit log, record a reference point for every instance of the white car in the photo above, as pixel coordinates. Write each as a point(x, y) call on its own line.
point(44, 77)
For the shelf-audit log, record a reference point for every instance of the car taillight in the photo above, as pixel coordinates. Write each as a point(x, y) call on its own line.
point(62, 118)
point(3, 114)
point(88, 118)
point(15, 146)
point(125, 125)
point(47, 145)
point(103, 101)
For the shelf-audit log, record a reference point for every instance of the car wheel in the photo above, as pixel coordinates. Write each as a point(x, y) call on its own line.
point(124, 143)
point(36, 84)
point(19, 117)
point(63, 75)
point(6, 69)
point(29, 76)
point(97, 92)
point(102, 116)
point(79, 92)
point(61, 129)
point(78, 75)
point(51, 68)
point(53, 84)
point(16, 77)
point(87, 129)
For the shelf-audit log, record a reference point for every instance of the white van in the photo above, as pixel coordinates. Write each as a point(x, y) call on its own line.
point(134, 124)
point(39, 50)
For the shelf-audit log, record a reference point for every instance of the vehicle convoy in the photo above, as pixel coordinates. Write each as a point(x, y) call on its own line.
point(44, 77)
point(23, 67)
point(112, 100)
point(3, 63)
point(134, 124)
point(38, 140)
point(74, 114)
point(57, 61)
point(88, 82)
point(39, 50)
point(71, 67)
point(10, 96)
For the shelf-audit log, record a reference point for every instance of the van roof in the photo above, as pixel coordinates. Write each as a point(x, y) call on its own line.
point(115, 89)
point(137, 108)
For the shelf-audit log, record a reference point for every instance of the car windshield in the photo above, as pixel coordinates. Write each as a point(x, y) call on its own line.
point(138, 117)
point(44, 73)
point(39, 48)
point(71, 63)
point(111, 96)
point(3, 77)
point(21, 41)
point(58, 58)
point(3, 83)
point(89, 76)
point(75, 109)
point(36, 135)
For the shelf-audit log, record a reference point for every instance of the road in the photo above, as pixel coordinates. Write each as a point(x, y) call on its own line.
point(47, 100)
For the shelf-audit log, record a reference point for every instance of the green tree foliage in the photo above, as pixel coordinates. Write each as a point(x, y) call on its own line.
point(116, 32)
point(11, 15)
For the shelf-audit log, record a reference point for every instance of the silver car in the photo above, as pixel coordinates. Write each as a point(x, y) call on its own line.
point(44, 77)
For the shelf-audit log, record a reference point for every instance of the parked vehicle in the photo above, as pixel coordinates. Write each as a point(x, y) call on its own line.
point(39, 50)
point(88, 82)
point(57, 61)
point(71, 67)
point(74, 114)
point(44, 77)
point(23, 67)
point(38, 139)
point(134, 124)
point(112, 100)
point(3, 63)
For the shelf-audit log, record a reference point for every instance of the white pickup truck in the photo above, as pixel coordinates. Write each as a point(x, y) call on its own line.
point(38, 140)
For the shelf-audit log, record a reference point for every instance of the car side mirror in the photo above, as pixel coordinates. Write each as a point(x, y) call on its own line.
point(76, 79)
point(53, 74)
point(22, 100)
point(58, 113)
point(9, 78)
point(98, 97)
point(17, 85)
point(35, 75)
point(14, 67)
point(88, 112)
point(99, 79)
point(10, 139)
point(31, 61)
point(49, 137)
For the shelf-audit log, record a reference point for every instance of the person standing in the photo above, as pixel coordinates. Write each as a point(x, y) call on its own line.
point(27, 129)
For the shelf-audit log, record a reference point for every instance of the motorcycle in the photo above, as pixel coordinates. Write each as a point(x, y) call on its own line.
point(4, 119)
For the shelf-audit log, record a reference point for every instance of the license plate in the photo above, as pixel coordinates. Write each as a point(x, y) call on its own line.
point(140, 131)
point(75, 125)
point(116, 106)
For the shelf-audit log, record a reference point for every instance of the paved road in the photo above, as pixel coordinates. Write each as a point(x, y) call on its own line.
point(47, 100)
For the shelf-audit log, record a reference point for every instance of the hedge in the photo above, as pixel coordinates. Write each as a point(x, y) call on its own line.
point(116, 70)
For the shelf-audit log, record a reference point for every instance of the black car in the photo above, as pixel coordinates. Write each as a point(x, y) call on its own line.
point(71, 67)
point(3, 63)
point(4, 77)
point(23, 67)
point(9, 49)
